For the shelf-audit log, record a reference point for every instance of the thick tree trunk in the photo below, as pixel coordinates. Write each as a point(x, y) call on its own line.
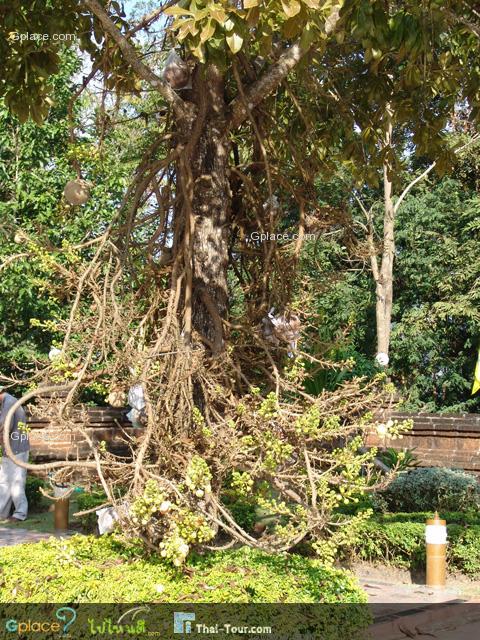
point(207, 175)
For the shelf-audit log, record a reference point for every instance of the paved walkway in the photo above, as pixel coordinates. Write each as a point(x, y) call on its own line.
point(449, 621)
point(404, 609)
point(386, 585)
point(16, 535)
point(394, 593)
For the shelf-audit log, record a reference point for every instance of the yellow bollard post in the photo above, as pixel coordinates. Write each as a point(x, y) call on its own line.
point(62, 504)
point(436, 541)
point(61, 514)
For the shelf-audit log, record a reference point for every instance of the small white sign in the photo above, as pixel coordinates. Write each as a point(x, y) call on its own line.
point(435, 534)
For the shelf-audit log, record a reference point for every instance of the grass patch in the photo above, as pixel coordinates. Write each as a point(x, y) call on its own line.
point(42, 520)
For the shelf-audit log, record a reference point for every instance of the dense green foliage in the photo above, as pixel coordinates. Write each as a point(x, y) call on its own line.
point(436, 324)
point(91, 569)
point(32, 491)
point(33, 172)
point(38, 227)
point(436, 313)
point(89, 500)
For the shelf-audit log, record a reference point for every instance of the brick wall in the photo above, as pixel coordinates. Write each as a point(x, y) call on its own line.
point(48, 442)
point(439, 440)
point(451, 441)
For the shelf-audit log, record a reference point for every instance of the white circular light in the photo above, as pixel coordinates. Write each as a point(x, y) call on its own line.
point(382, 359)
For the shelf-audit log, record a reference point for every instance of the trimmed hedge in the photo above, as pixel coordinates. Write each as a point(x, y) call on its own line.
point(399, 540)
point(89, 569)
point(451, 517)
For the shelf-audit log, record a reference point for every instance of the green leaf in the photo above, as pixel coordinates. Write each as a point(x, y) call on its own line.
point(207, 31)
point(307, 37)
point(187, 27)
point(291, 7)
point(199, 53)
point(234, 41)
point(218, 14)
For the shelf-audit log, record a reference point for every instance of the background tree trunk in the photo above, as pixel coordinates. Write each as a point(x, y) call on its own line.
point(384, 282)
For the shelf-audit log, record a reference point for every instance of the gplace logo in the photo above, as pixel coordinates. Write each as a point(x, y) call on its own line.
point(65, 614)
point(182, 622)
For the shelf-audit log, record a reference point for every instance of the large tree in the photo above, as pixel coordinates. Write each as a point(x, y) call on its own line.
point(271, 100)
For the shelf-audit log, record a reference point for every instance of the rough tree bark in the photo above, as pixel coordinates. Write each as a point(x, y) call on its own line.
point(202, 178)
point(206, 209)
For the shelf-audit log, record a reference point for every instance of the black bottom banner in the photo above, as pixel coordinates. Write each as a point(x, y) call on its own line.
point(249, 621)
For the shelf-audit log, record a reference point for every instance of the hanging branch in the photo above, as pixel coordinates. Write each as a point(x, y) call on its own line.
point(131, 56)
point(271, 79)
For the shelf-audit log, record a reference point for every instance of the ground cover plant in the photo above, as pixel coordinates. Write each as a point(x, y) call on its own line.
point(90, 569)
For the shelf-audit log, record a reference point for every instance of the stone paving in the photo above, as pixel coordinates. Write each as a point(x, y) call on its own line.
point(387, 585)
point(404, 609)
point(448, 621)
point(17, 535)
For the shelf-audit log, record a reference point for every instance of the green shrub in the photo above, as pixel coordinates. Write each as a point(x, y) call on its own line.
point(32, 491)
point(437, 489)
point(363, 502)
point(89, 500)
point(243, 509)
point(400, 460)
point(464, 549)
point(89, 569)
point(398, 543)
point(393, 540)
